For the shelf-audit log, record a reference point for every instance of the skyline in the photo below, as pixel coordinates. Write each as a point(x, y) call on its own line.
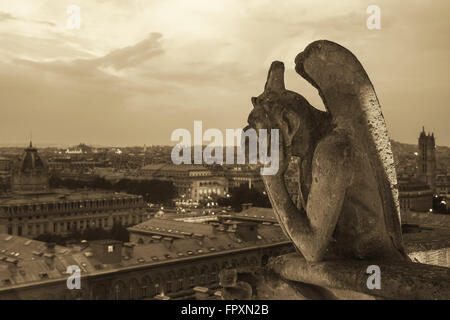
point(113, 83)
point(94, 145)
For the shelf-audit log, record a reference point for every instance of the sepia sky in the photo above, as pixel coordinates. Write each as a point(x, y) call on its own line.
point(137, 70)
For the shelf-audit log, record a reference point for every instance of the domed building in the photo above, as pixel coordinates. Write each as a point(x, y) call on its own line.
point(33, 209)
point(31, 172)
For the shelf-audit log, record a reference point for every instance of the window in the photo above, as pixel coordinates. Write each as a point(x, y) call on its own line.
point(110, 248)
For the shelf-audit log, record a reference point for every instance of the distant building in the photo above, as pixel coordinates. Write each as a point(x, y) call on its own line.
point(443, 187)
point(416, 191)
point(239, 175)
point(426, 160)
point(415, 195)
point(31, 172)
point(253, 214)
point(32, 209)
point(5, 164)
point(192, 182)
point(157, 230)
point(67, 163)
point(5, 174)
point(62, 211)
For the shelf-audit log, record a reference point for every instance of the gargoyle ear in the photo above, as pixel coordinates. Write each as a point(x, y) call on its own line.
point(290, 124)
point(254, 101)
point(275, 77)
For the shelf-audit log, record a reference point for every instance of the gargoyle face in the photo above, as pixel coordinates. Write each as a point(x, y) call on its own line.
point(278, 108)
point(298, 122)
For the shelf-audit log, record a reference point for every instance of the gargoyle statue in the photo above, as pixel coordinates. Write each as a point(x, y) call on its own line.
point(349, 198)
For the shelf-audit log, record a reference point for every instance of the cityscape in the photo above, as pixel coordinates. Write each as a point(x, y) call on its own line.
point(140, 227)
point(202, 152)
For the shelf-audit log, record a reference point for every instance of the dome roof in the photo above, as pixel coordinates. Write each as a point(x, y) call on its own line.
point(31, 161)
point(30, 173)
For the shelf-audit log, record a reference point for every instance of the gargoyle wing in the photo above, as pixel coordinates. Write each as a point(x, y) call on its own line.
point(350, 98)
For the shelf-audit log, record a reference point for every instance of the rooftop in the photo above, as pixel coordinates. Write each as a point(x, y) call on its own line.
point(254, 213)
point(173, 167)
point(23, 261)
point(172, 228)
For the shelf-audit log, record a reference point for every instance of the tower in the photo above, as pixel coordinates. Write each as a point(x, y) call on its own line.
point(31, 172)
point(426, 159)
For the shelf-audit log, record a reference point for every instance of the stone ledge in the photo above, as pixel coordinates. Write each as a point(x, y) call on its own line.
point(399, 280)
point(292, 277)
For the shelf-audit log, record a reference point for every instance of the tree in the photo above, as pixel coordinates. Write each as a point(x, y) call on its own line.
point(156, 191)
point(243, 194)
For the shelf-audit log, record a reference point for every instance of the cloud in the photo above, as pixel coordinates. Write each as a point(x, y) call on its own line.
point(134, 55)
point(5, 16)
point(119, 82)
point(47, 23)
point(123, 58)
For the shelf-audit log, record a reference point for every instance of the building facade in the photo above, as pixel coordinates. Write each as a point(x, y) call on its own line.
point(239, 175)
point(415, 195)
point(32, 209)
point(192, 182)
point(63, 212)
point(443, 187)
point(5, 174)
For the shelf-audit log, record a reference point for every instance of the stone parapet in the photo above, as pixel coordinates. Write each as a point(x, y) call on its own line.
point(292, 277)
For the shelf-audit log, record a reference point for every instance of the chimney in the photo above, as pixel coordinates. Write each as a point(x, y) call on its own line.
point(49, 259)
point(50, 247)
point(247, 231)
point(201, 293)
point(129, 249)
point(198, 236)
point(12, 265)
point(84, 244)
point(167, 241)
point(231, 227)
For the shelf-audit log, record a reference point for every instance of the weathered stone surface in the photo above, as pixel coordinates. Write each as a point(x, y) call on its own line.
point(349, 206)
point(399, 279)
point(348, 217)
point(291, 277)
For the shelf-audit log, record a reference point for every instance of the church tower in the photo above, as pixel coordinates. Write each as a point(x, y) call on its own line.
point(426, 159)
